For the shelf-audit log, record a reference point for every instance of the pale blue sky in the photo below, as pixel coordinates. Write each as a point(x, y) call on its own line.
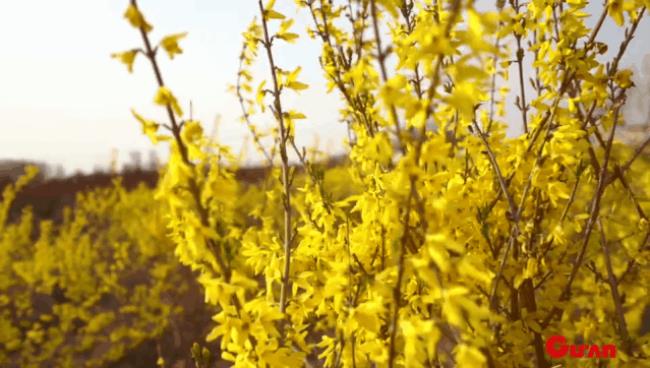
point(64, 101)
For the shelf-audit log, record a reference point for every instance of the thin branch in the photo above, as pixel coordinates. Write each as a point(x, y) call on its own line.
point(176, 132)
point(381, 57)
point(284, 139)
point(637, 152)
point(455, 10)
point(593, 217)
point(246, 115)
point(616, 297)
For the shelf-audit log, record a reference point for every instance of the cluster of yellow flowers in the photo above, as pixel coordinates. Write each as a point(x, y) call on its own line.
point(83, 292)
point(442, 240)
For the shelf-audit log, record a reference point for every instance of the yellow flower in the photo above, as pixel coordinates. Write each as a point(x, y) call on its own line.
point(624, 78)
point(149, 128)
point(615, 10)
point(127, 58)
point(170, 44)
point(284, 33)
point(259, 97)
point(272, 14)
point(414, 233)
point(292, 82)
point(469, 356)
point(136, 18)
point(294, 115)
point(164, 97)
point(192, 131)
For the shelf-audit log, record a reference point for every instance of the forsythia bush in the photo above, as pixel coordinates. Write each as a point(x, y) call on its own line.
point(83, 292)
point(442, 241)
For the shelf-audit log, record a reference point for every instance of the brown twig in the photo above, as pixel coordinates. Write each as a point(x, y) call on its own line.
point(593, 217)
point(286, 181)
point(616, 297)
point(246, 115)
point(381, 57)
point(176, 132)
point(455, 10)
